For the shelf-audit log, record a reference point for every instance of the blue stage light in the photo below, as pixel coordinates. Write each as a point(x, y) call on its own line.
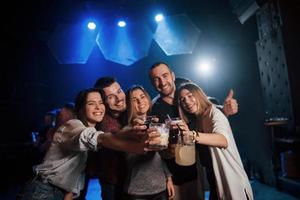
point(91, 25)
point(121, 23)
point(159, 17)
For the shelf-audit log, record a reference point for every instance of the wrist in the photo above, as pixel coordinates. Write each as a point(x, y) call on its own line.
point(196, 136)
point(169, 179)
point(99, 140)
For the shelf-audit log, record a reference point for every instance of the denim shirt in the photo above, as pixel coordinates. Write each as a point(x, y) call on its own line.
point(65, 161)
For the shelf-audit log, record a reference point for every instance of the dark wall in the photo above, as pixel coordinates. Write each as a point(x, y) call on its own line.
point(291, 31)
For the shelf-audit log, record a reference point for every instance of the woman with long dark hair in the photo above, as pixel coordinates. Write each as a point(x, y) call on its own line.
point(62, 171)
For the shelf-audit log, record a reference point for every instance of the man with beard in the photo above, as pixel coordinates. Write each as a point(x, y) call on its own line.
point(164, 106)
point(109, 165)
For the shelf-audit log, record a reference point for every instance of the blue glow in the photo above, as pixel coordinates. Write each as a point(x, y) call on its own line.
point(72, 43)
point(91, 25)
point(125, 45)
point(206, 66)
point(159, 17)
point(34, 136)
point(121, 23)
point(176, 35)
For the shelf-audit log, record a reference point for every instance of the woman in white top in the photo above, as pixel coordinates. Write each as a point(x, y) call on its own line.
point(62, 170)
point(213, 129)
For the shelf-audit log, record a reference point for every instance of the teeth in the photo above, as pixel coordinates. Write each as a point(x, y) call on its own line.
point(120, 103)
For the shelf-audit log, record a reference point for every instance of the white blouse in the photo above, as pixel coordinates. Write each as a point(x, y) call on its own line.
point(65, 161)
point(231, 178)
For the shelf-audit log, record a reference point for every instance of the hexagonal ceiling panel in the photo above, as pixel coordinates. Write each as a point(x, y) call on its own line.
point(125, 45)
point(72, 44)
point(176, 35)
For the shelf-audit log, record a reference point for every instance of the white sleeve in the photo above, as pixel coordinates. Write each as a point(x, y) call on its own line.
point(75, 135)
point(220, 123)
point(88, 139)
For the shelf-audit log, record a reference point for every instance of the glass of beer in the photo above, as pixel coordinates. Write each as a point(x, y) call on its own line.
point(163, 130)
point(185, 155)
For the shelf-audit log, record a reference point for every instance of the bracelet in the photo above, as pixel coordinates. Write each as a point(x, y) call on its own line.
point(195, 135)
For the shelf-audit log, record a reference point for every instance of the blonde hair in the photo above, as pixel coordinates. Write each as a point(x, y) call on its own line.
point(202, 101)
point(131, 112)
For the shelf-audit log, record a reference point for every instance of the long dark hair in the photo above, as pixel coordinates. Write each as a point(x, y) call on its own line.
point(80, 102)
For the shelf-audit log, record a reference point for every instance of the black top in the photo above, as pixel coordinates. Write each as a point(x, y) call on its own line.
point(181, 174)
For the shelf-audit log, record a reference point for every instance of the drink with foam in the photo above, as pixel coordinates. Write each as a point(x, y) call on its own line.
point(163, 130)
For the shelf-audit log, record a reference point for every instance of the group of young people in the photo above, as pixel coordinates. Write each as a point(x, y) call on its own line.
point(111, 123)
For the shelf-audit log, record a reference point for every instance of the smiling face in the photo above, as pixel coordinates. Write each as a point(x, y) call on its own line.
point(193, 100)
point(188, 101)
point(94, 108)
point(140, 102)
point(163, 79)
point(115, 98)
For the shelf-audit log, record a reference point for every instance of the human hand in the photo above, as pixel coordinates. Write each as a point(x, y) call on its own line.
point(146, 120)
point(230, 105)
point(170, 188)
point(138, 121)
point(136, 132)
point(152, 139)
point(183, 127)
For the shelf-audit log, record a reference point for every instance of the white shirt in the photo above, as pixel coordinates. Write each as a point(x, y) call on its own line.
point(231, 178)
point(65, 161)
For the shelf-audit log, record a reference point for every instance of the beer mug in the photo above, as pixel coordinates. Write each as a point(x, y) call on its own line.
point(185, 155)
point(185, 150)
point(186, 139)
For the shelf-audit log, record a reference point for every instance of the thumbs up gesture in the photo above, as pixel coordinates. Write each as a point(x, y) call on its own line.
point(230, 105)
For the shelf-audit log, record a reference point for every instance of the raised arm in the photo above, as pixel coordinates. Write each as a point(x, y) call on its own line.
point(214, 131)
point(112, 141)
point(210, 139)
point(230, 105)
point(126, 139)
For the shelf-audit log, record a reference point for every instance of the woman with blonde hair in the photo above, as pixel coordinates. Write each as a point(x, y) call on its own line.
point(212, 129)
point(148, 176)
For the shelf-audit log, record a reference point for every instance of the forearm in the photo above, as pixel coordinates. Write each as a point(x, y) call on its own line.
point(111, 141)
point(128, 133)
point(170, 188)
point(211, 139)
